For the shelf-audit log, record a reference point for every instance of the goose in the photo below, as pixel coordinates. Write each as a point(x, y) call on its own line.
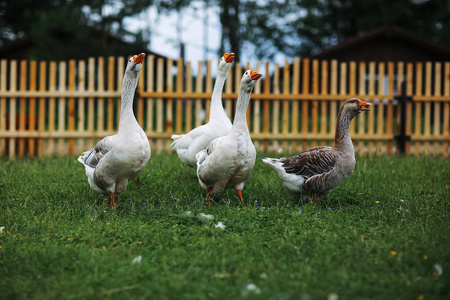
point(228, 161)
point(119, 158)
point(189, 144)
point(318, 170)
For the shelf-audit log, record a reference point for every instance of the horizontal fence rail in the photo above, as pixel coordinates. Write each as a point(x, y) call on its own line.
point(64, 108)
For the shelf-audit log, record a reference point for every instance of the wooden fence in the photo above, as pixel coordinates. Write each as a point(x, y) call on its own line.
point(63, 108)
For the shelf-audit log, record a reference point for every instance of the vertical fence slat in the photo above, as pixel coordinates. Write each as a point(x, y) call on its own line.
point(42, 106)
point(81, 104)
point(159, 105)
point(362, 117)
point(295, 103)
point(52, 107)
point(257, 108)
point(305, 103)
point(445, 129)
point(91, 104)
point(352, 90)
point(120, 73)
point(324, 104)
point(333, 92)
point(62, 108)
point(371, 117)
point(390, 107)
point(22, 106)
point(150, 88)
point(12, 108)
point(419, 118)
point(3, 74)
point(315, 103)
point(199, 89)
point(208, 85)
point(427, 127)
point(32, 108)
point(276, 107)
point(437, 107)
point(189, 82)
point(409, 105)
point(110, 101)
point(71, 106)
point(286, 112)
point(100, 100)
point(380, 112)
point(179, 101)
point(266, 110)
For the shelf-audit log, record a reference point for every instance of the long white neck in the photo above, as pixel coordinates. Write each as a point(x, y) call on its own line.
point(240, 117)
point(126, 110)
point(216, 110)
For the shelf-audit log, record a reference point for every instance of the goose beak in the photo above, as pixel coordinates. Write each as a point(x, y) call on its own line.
point(139, 59)
point(362, 105)
point(255, 75)
point(229, 57)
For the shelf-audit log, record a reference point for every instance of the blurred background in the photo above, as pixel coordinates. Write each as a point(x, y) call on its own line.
point(201, 30)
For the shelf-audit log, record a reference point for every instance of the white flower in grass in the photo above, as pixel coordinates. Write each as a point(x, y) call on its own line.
point(1, 229)
point(220, 225)
point(333, 297)
point(137, 260)
point(249, 289)
point(438, 269)
point(203, 217)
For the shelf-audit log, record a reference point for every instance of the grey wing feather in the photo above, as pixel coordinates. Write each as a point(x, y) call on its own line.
point(93, 156)
point(311, 162)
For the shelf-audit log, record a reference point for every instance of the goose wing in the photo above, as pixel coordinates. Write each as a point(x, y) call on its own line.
point(93, 156)
point(315, 161)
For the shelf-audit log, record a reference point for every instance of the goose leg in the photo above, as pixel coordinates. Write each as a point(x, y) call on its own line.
point(112, 200)
point(314, 199)
point(239, 193)
point(208, 191)
point(138, 183)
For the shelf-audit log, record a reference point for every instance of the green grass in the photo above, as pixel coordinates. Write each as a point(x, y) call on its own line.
point(62, 241)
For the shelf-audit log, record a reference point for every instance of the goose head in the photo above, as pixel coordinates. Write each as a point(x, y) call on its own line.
point(355, 106)
point(134, 65)
point(225, 62)
point(250, 78)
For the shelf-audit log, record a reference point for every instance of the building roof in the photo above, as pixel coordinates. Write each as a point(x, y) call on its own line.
point(388, 43)
point(63, 45)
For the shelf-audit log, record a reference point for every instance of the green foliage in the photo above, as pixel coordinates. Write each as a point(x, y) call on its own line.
point(382, 234)
point(300, 28)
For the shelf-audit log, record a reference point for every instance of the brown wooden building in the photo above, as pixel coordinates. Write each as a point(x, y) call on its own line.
point(384, 44)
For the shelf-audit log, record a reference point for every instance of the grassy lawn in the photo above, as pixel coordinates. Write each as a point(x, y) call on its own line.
point(383, 234)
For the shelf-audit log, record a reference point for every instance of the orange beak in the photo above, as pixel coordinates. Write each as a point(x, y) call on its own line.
point(229, 57)
point(255, 75)
point(139, 59)
point(362, 105)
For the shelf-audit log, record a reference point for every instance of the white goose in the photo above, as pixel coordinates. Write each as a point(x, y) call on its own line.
point(189, 144)
point(318, 170)
point(119, 158)
point(228, 160)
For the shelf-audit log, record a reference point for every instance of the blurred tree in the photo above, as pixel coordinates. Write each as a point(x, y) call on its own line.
point(62, 29)
point(301, 28)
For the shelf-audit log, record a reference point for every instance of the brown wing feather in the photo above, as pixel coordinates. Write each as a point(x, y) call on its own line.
point(317, 160)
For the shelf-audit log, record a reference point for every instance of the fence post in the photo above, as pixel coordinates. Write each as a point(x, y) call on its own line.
point(402, 137)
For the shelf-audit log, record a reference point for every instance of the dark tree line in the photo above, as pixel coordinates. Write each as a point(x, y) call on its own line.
point(296, 28)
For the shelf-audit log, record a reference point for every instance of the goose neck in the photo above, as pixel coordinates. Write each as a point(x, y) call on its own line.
point(240, 117)
point(342, 137)
point(127, 96)
point(216, 99)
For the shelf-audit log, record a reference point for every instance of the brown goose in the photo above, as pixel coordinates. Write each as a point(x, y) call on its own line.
point(318, 170)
